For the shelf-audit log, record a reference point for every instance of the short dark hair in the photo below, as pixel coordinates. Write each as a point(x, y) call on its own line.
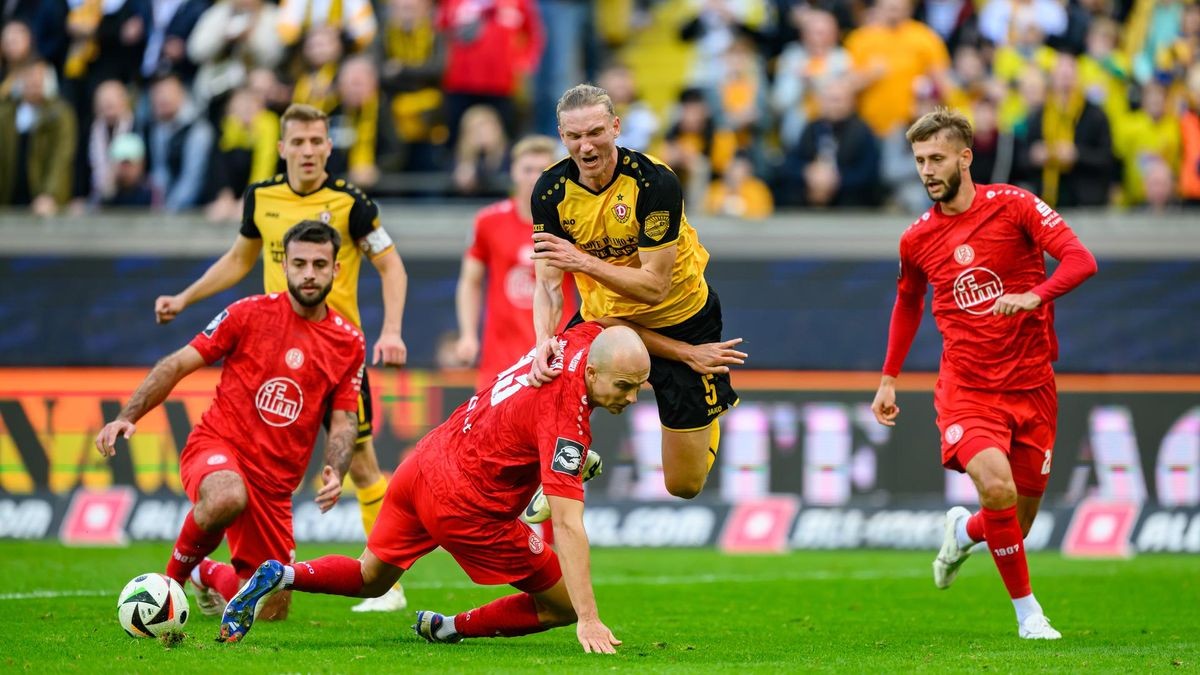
point(313, 232)
point(954, 124)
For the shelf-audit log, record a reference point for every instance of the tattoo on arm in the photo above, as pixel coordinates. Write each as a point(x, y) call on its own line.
point(342, 438)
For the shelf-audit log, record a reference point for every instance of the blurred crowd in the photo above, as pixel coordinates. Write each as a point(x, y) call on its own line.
point(174, 104)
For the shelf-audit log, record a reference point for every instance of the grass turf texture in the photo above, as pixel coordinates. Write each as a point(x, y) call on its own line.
point(677, 611)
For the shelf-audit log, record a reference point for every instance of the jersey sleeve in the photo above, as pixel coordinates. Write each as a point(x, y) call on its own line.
point(906, 313)
point(659, 211)
point(1052, 234)
point(222, 334)
point(345, 392)
point(564, 437)
point(543, 207)
point(477, 245)
point(249, 228)
point(366, 231)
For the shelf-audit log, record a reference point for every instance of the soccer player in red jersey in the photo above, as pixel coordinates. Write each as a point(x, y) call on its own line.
point(981, 248)
point(287, 358)
point(463, 487)
point(502, 249)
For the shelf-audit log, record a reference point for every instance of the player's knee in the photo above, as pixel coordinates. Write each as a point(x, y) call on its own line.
point(997, 493)
point(559, 616)
point(685, 487)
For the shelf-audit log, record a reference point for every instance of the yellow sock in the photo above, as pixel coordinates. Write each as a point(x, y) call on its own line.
point(714, 441)
point(370, 500)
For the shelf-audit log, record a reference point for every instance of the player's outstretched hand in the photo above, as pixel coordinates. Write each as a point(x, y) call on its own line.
point(884, 406)
point(167, 307)
point(596, 638)
point(330, 490)
point(540, 371)
point(390, 349)
point(560, 253)
point(1016, 302)
point(107, 438)
point(715, 357)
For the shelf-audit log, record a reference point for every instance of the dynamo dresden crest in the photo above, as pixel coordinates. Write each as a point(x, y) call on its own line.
point(621, 211)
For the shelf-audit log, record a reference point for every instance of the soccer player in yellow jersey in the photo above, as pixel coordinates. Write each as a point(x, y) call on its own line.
point(614, 218)
point(307, 192)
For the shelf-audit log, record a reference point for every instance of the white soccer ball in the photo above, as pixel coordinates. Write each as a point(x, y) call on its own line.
point(152, 604)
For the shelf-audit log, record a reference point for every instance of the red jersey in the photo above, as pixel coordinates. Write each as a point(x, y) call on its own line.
point(995, 247)
point(504, 244)
point(490, 42)
point(281, 371)
point(489, 457)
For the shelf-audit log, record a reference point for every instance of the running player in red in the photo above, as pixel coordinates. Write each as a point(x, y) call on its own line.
point(501, 250)
point(463, 488)
point(982, 249)
point(288, 357)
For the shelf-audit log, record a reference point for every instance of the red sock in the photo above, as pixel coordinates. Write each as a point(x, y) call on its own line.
point(975, 526)
point(219, 576)
point(332, 575)
point(1003, 534)
point(509, 616)
point(190, 548)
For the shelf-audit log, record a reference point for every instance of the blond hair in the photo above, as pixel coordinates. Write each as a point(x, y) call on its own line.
point(535, 145)
point(942, 119)
point(584, 96)
point(302, 112)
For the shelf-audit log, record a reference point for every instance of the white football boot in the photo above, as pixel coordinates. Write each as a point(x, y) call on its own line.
point(392, 601)
point(538, 510)
point(1037, 627)
point(951, 556)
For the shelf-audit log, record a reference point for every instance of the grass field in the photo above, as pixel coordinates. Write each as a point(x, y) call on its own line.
point(677, 611)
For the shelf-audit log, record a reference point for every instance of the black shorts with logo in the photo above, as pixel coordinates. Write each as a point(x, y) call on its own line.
point(365, 414)
point(687, 400)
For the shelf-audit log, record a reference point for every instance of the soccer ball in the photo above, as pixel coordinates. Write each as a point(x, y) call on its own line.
point(151, 605)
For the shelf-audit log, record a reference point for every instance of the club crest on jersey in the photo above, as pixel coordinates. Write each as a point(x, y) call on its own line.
point(963, 255)
point(954, 433)
point(212, 325)
point(621, 212)
point(294, 358)
point(976, 289)
point(568, 456)
point(279, 401)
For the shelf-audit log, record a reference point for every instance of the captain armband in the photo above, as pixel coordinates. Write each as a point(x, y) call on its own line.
point(375, 243)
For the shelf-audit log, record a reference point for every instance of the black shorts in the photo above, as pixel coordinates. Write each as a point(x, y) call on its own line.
point(687, 400)
point(365, 416)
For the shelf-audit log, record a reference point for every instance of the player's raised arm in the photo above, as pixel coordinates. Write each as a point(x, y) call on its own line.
point(226, 271)
point(573, 553)
point(150, 393)
point(1076, 262)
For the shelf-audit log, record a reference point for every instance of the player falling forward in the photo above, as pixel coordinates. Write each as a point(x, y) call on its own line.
point(287, 356)
point(463, 487)
point(614, 218)
point(307, 191)
point(981, 247)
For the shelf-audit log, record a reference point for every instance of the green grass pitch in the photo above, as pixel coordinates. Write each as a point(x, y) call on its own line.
point(677, 611)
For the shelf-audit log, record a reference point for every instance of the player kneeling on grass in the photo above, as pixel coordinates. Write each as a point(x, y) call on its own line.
point(287, 357)
point(463, 489)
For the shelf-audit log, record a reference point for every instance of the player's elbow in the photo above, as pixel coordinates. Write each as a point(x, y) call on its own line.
point(656, 296)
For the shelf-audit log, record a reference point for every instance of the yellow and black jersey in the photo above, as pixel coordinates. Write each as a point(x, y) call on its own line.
point(640, 210)
point(272, 207)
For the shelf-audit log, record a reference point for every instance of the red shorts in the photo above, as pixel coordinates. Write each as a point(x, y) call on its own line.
point(412, 523)
point(1021, 423)
point(263, 531)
